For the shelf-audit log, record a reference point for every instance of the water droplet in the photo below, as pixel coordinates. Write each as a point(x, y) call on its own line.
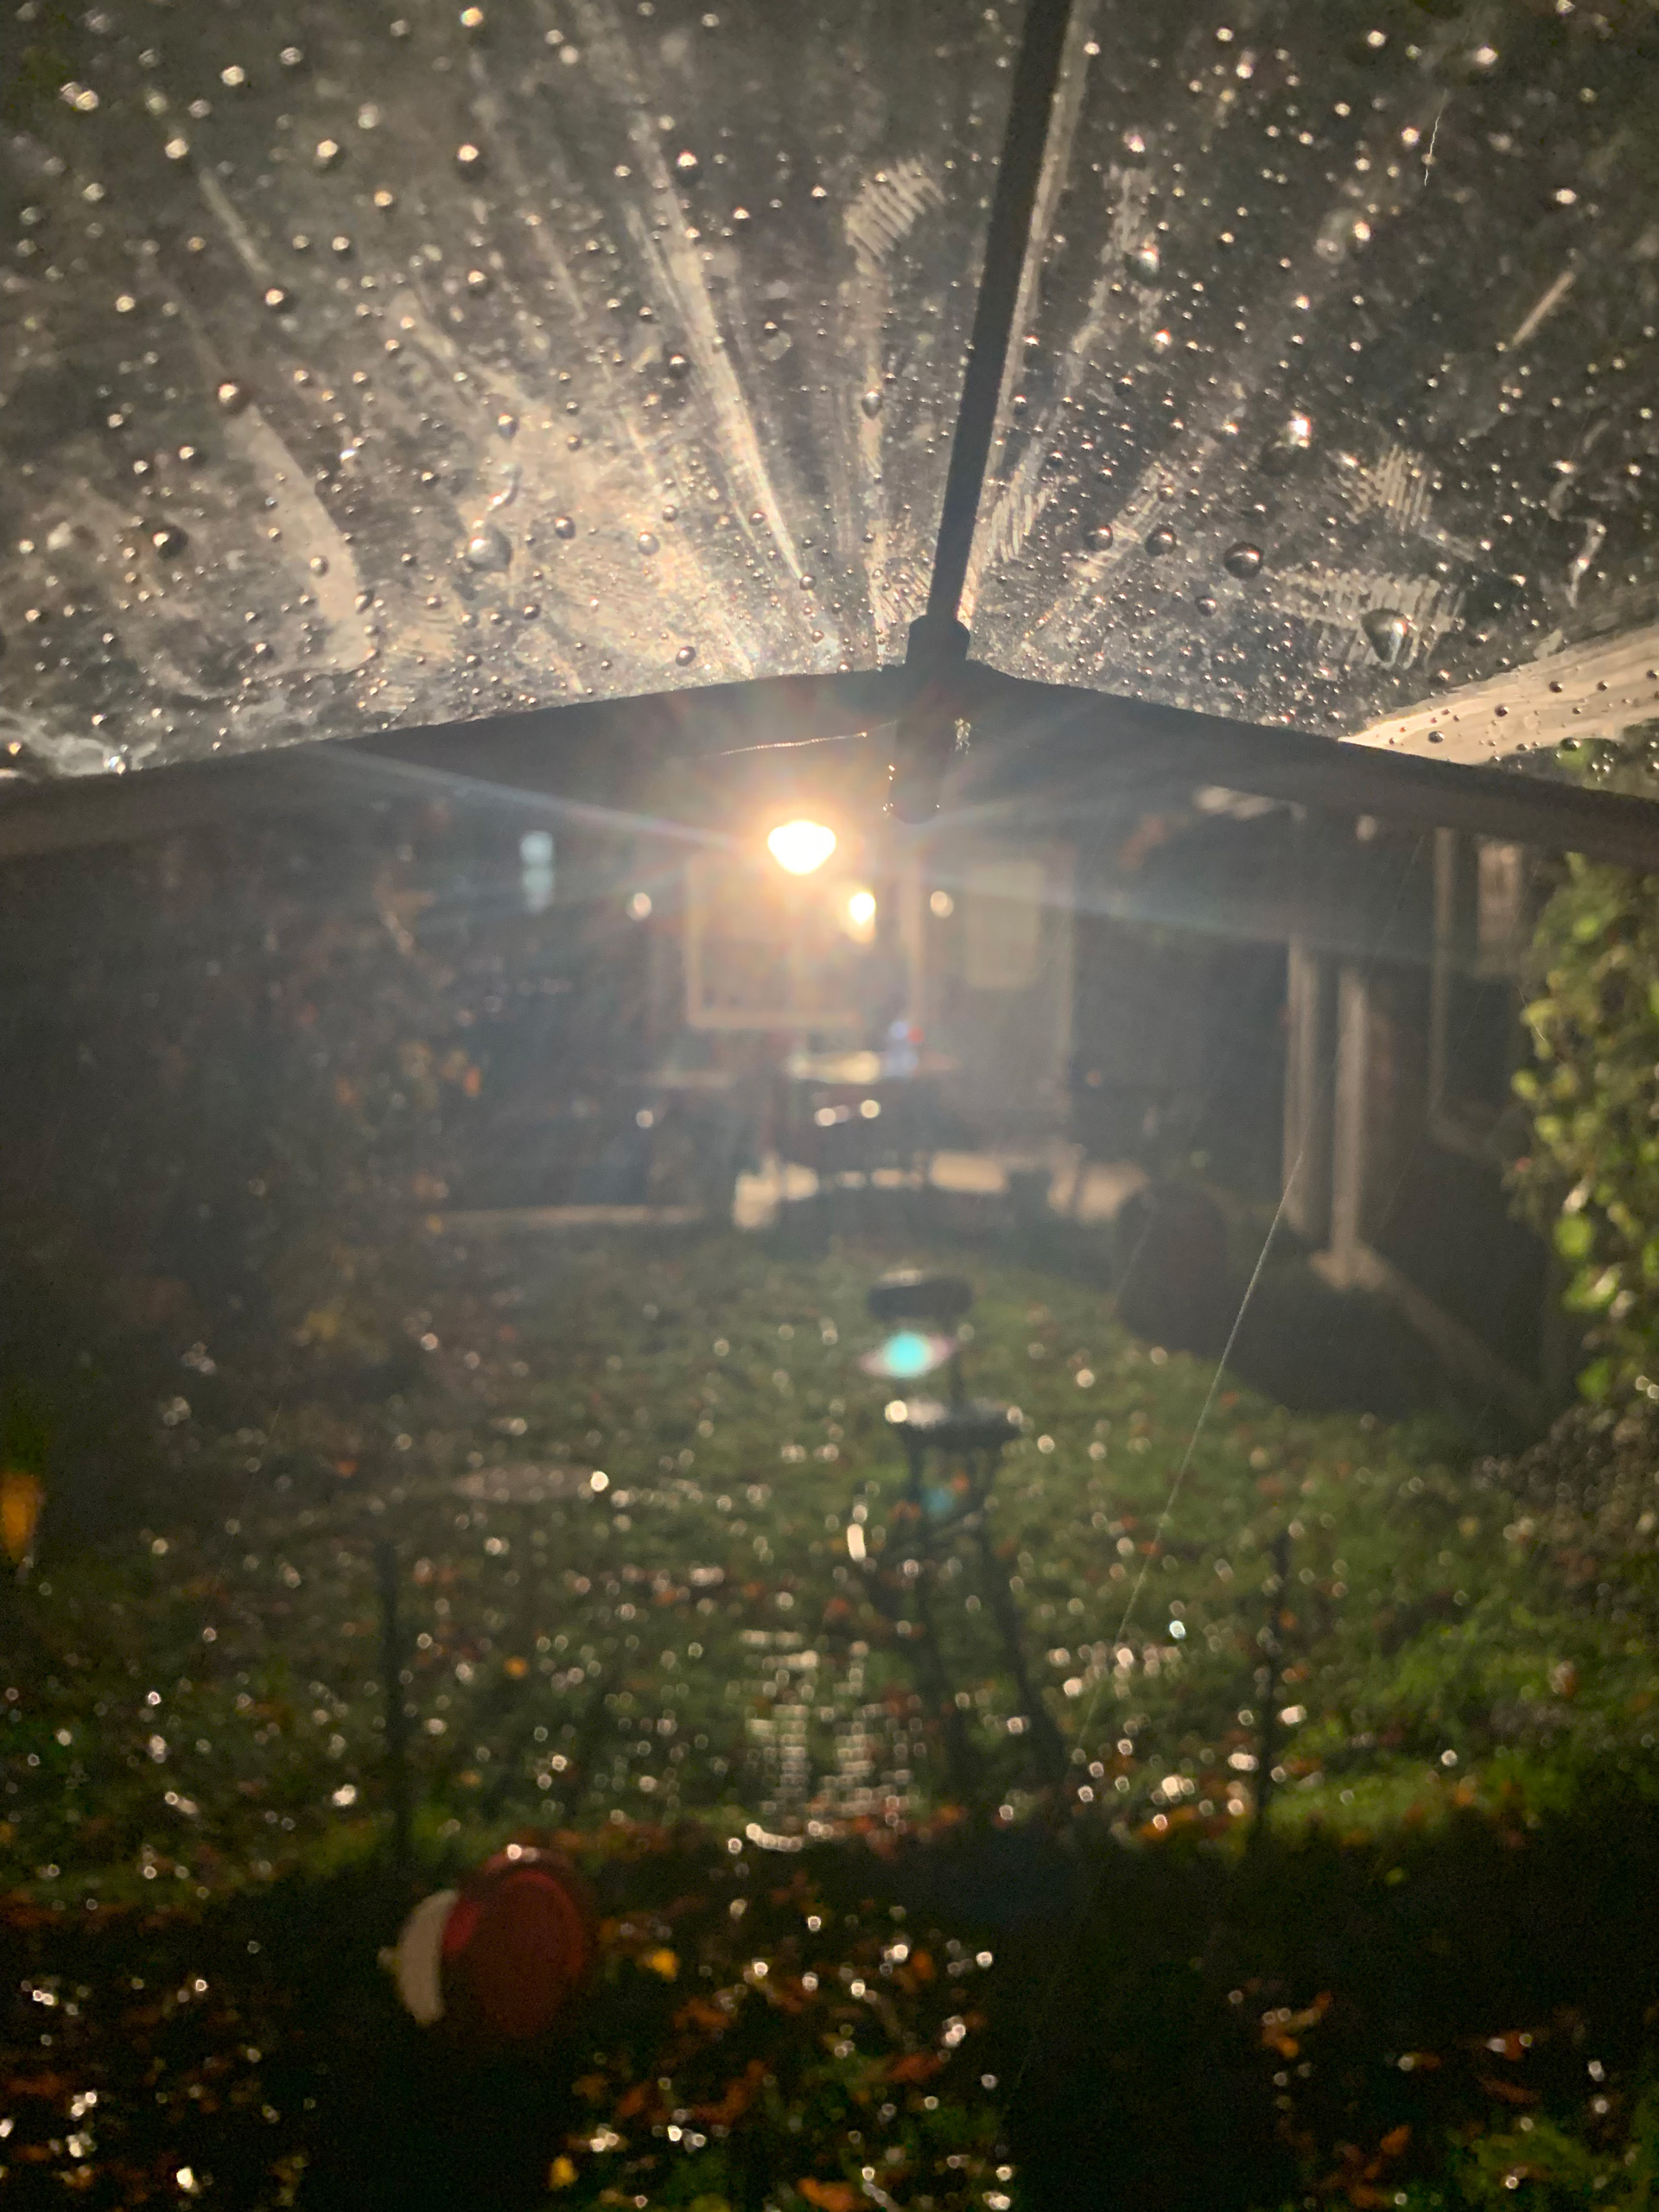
point(472, 19)
point(339, 242)
point(170, 541)
point(232, 396)
point(871, 403)
point(1205, 603)
point(1579, 566)
point(318, 564)
point(1145, 262)
point(1160, 540)
point(1287, 445)
point(278, 298)
point(292, 58)
point(327, 154)
point(685, 656)
point(676, 367)
point(488, 548)
point(1242, 560)
point(1390, 632)
point(1099, 537)
point(478, 280)
point(234, 78)
point(469, 160)
point(646, 542)
point(687, 164)
point(564, 527)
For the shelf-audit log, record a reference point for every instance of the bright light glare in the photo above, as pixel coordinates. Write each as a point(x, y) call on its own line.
point(800, 847)
point(909, 1354)
point(858, 915)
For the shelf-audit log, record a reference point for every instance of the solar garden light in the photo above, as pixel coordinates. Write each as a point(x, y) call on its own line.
point(951, 1454)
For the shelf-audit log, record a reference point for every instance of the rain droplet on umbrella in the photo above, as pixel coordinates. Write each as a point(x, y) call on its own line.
point(1099, 537)
point(646, 543)
point(1579, 567)
point(1287, 445)
point(1242, 560)
point(1160, 540)
point(1388, 630)
point(170, 541)
point(564, 527)
point(871, 403)
point(488, 548)
point(1144, 261)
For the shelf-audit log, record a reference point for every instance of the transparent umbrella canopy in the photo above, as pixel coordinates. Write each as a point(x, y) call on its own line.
point(369, 371)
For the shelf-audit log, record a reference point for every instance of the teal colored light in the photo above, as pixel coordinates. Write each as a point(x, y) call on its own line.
point(908, 1355)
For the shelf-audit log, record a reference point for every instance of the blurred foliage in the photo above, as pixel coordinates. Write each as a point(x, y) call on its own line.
point(1591, 1181)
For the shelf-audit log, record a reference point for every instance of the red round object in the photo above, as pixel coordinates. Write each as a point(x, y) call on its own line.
point(516, 1947)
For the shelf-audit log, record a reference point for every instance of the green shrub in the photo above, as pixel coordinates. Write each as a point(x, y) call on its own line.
point(1590, 1182)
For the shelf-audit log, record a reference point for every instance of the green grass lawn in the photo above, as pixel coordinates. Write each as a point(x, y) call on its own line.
point(200, 1703)
point(196, 1721)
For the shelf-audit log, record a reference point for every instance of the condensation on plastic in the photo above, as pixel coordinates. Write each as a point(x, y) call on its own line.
point(367, 370)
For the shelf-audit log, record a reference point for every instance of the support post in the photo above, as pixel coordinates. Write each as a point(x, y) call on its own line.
point(1272, 1644)
point(1307, 1093)
point(391, 1677)
point(1348, 1132)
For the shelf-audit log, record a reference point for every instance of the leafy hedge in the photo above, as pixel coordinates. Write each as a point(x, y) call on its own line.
point(1591, 1181)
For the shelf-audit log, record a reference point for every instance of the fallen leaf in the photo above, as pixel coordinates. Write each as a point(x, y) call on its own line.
point(829, 2195)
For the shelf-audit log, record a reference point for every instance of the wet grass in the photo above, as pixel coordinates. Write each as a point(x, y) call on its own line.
point(692, 1641)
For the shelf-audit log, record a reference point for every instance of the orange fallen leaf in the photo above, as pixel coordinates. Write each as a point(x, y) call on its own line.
point(915, 2066)
point(829, 2195)
point(739, 2096)
point(22, 1497)
point(1511, 2092)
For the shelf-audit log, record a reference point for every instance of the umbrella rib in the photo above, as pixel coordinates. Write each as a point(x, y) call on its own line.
point(1007, 242)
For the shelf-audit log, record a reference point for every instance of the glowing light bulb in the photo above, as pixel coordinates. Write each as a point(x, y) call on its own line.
point(800, 847)
point(858, 915)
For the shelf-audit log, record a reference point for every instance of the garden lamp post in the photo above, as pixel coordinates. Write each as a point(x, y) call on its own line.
point(960, 1442)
